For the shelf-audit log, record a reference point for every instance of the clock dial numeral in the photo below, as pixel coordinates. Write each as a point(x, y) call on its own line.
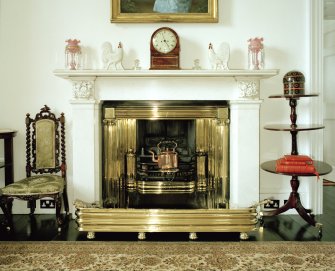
point(164, 41)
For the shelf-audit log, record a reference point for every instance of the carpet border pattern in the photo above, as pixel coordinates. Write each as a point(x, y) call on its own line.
point(96, 255)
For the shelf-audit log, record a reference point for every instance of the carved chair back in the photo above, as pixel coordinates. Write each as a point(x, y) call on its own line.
point(45, 143)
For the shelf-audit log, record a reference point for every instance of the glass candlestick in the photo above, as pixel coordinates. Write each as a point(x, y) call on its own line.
point(72, 54)
point(255, 54)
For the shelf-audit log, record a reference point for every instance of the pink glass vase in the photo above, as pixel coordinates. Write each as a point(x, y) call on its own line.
point(72, 54)
point(255, 54)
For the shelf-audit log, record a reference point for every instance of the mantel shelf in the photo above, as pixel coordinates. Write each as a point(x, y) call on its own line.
point(255, 74)
point(247, 82)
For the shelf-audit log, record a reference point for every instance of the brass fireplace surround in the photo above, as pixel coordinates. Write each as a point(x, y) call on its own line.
point(138, 197)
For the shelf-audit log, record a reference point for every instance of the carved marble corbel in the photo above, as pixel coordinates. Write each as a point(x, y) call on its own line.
point(249, 88)
point(83, 88)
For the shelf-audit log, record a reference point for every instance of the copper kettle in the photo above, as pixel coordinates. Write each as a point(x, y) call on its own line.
point(167, 159)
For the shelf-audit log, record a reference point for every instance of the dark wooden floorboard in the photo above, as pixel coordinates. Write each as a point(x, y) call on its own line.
point(278, 228)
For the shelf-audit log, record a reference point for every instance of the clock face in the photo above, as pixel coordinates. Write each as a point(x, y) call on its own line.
point(164, 41)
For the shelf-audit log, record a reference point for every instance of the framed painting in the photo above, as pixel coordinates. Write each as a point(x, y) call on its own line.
point(148, 11)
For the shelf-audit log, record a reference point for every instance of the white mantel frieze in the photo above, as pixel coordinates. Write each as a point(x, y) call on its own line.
point(84, 80)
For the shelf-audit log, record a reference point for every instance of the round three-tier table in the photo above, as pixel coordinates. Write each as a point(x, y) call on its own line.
point(270, 166)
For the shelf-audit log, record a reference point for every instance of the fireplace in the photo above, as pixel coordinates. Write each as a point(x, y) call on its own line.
point(219, 195)
point(191, 139)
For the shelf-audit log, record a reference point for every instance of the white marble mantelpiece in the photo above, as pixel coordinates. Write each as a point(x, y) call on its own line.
point(247, 81)
point(241, 88)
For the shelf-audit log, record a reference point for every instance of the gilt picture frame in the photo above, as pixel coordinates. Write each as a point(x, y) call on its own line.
point(150, 11)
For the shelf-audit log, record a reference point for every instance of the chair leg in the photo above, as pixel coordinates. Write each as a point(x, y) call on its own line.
point(66, 202)
point(32, 206)
point(6, 207)
point(58, 202)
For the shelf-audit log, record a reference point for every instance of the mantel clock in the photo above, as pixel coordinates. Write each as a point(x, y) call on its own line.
point(164, 50)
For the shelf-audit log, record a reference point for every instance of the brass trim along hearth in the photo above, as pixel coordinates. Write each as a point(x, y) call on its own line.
point(92, 220)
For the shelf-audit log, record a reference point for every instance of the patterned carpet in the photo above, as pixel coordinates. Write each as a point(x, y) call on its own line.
point(157, 256)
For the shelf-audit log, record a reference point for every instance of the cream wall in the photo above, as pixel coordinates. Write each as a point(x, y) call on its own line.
point(32, 39)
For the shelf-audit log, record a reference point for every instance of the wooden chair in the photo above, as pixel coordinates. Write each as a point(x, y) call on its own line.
point(45, 167)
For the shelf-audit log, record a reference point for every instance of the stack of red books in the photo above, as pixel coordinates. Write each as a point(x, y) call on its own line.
point(299, 164)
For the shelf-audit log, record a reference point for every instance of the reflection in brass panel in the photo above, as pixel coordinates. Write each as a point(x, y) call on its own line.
point(118, 140)
point(110, 182)
point(131, 169)
point(212, 139)
point(201, 170)
point(222, 162)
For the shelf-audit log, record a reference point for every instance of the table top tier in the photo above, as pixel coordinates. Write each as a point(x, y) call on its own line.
point(5, 133)
point(321, 167)
point(287, 127)
point(293, 96)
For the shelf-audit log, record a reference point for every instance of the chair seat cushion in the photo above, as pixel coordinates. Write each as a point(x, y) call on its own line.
point(37, 184)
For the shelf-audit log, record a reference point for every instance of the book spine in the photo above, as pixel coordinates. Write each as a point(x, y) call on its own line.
point(297, 158)
point(295, 168)
point(306, 169)
point(293, 163)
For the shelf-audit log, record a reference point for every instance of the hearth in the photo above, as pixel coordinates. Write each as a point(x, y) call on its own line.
point(140, 194)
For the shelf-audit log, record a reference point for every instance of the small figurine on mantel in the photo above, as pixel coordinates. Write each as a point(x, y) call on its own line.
point(219, 59)
point(112, 59)
point(137, 64)
point(196, 65)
